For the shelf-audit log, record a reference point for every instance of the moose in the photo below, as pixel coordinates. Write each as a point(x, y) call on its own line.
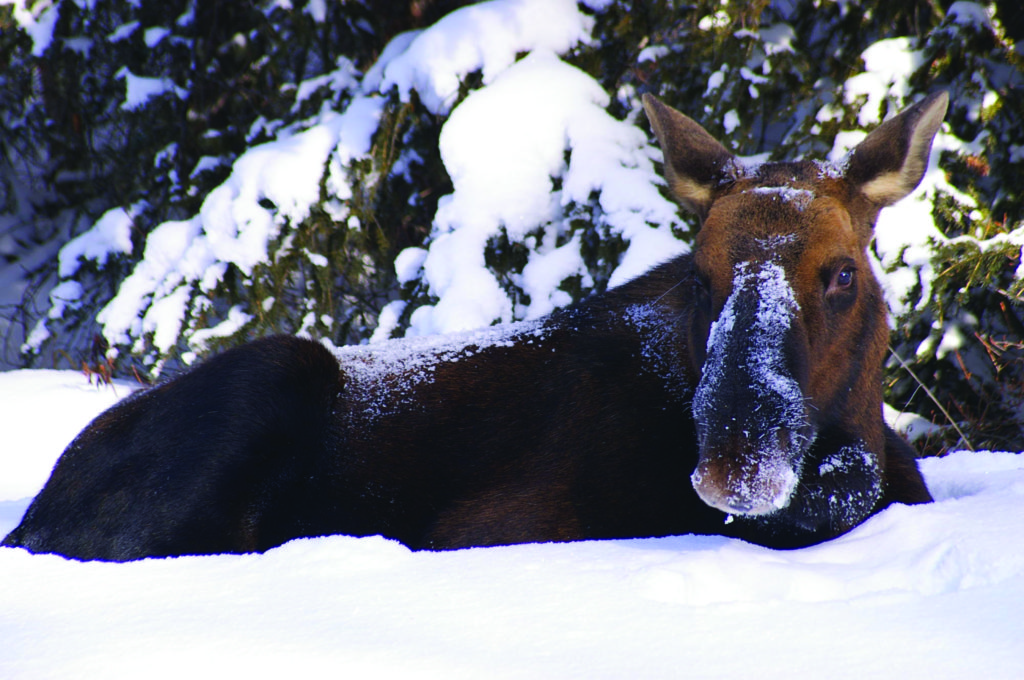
point(733, 390)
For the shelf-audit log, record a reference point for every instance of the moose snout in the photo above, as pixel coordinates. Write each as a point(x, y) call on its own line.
point(749, 406)
point(739, 479)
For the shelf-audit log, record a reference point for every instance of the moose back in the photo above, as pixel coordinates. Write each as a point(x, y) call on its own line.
point(732, 390)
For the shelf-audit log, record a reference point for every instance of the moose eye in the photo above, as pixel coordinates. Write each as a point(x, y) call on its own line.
point(844, 278)
point(841, 281)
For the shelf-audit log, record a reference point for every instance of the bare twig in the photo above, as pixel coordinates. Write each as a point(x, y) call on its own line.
point(935, 400)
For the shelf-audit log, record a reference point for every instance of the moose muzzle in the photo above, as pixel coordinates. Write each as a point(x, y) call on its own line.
point(751, 416)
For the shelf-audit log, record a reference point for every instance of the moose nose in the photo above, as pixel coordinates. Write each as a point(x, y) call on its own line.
point(745, 482)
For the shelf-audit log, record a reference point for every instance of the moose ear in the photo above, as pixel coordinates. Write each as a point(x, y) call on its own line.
point(891, 161)
point(695, 163)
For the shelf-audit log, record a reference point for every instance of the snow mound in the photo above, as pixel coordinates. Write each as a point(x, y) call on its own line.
point(486, 37)
point(502, 146)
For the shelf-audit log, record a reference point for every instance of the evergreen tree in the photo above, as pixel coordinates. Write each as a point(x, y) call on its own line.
point(177, 177)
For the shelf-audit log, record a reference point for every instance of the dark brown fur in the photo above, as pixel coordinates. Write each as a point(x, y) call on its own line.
point(584, 425)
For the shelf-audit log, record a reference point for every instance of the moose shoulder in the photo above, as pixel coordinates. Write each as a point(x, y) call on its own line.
point(741, 381)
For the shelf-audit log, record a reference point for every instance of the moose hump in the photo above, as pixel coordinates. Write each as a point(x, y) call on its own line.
point(741, 381)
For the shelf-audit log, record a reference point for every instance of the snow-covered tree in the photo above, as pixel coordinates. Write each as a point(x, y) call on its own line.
point(179, 176)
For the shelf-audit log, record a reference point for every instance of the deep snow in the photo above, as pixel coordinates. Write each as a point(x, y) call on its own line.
point(917, 592)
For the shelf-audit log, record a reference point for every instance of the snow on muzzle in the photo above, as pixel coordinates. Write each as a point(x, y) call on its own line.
point(751, 416)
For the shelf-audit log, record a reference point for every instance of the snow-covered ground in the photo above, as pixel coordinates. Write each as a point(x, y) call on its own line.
point(932, 592)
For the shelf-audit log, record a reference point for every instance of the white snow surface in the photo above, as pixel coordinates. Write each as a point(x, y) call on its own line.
point(485, 37)
point(37, 19)
point(140, 89)
point(930, 591)
point(112, 234)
